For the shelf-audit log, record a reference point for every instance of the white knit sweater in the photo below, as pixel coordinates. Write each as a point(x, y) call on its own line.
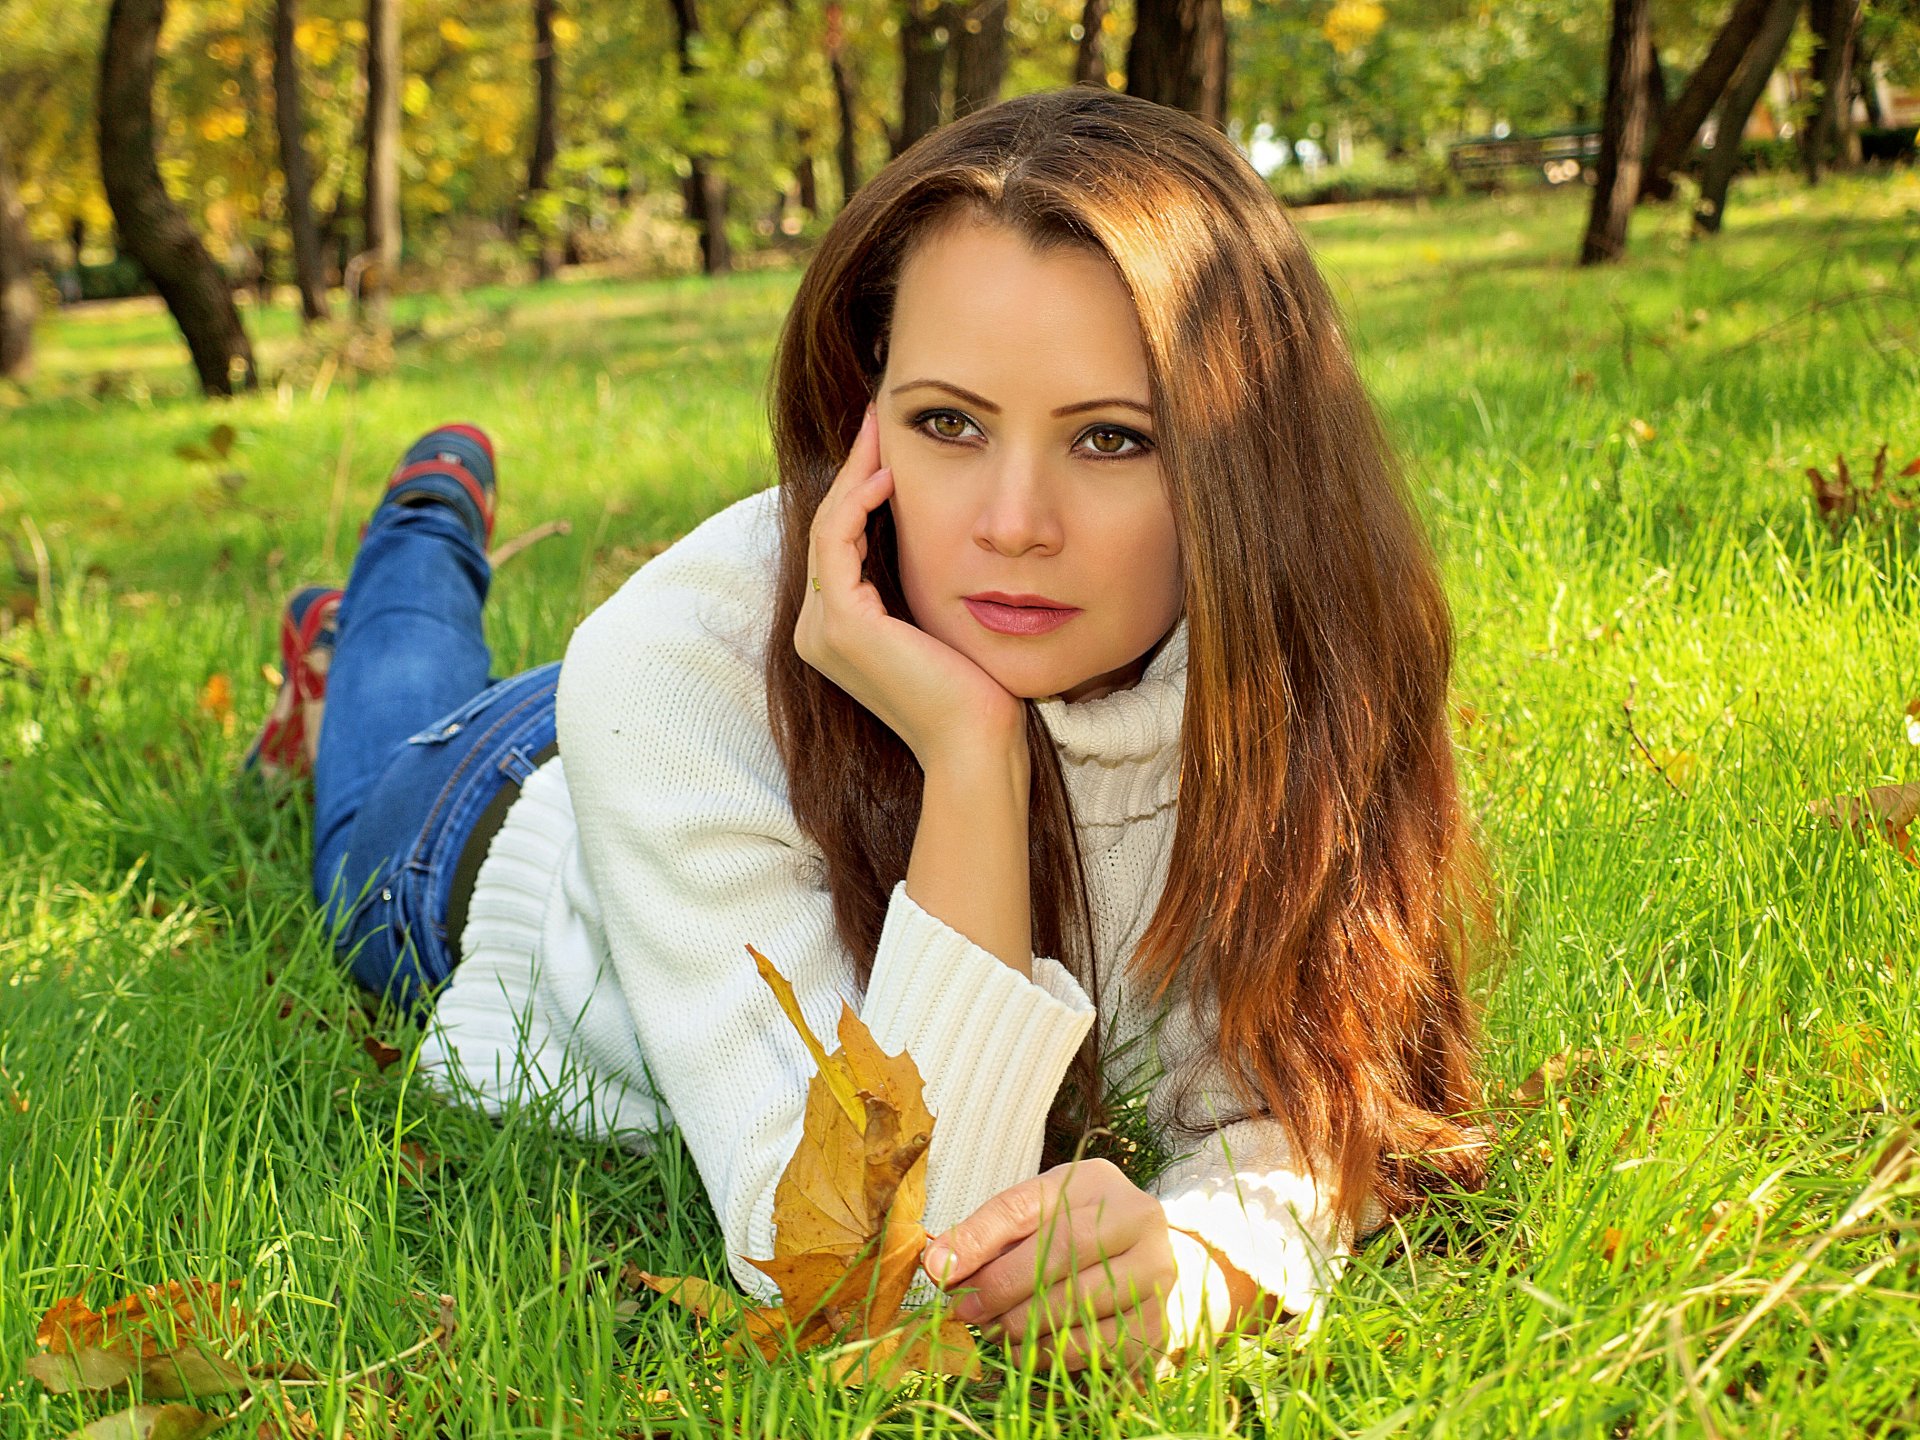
point(606, 940)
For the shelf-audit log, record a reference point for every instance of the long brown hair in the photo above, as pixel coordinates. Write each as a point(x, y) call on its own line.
point(1324, 888)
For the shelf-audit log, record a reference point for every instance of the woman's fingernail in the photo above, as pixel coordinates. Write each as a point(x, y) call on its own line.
point(938, 1262)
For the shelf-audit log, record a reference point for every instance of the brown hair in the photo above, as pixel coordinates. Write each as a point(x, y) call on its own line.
point(1323, 886)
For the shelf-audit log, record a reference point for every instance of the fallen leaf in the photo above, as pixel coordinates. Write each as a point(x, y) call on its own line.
point(1585, 1071)
point(216, 700)
point(129, 1325)
point(846, 1213)
point(1888, 809)
point(382, 1053)
point(166, 1335)
point(153, 1422)
point(416, 1163)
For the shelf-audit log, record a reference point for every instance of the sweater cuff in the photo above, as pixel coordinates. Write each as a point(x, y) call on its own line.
point(991, 1048)
point(1246, 1197)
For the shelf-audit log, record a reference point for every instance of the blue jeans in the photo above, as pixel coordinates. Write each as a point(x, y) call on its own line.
point(415, 740)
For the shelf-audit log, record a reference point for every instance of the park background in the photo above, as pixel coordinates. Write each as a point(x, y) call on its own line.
point(1662, 433)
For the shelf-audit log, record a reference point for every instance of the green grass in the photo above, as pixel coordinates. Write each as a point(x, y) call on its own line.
point(1612, 466)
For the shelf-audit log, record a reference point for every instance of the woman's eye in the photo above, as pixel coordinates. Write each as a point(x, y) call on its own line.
point(945, 424)
point(1111, 441)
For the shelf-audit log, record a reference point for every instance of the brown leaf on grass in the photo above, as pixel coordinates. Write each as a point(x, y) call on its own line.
point(1887, 809)
point(152, 1422)
point(1585, 1071)
point(167, 1335)
point(846, 1212)
point(416, 1163)
point(137, 1325)
point(380, 1051)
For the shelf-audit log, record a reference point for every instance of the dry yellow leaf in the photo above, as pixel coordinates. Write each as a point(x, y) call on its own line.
point(846, 1216)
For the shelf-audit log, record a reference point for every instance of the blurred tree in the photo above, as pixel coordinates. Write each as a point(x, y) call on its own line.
point(1730, 119)
point(546, 139)
point(979, 54)
point(1622, 133)
point(1090, 56)
point(1828, 139)
point(151, 226)
point(1708, 82)
point(379, 258)
point(19, 305)
point(1179, 56)
point(924, 35)
point(706, 189)
point(296, 175)
point(847, 150)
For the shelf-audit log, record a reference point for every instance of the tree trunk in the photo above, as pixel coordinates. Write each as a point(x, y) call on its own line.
point(979, 54)
point(923, 67)
point(805, 174)
point(1702, 92)
point(705, 191)
point(152, 229)
point(546, 135)
point(846, 149)
point(308, 272)
point(381, 245)
point(1657, 96)
point(1829, 138)
point(1090, 62)
point(19, 305)
point(1179, 56)
point(1623, 130)
point(1730, 120)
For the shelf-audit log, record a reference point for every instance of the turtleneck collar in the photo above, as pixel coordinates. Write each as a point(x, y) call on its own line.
point(1120, 753)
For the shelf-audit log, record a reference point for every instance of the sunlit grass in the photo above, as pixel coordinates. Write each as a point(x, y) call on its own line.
point(1612, 465)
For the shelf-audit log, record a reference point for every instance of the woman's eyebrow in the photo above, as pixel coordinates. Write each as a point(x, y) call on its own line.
point(992, 409)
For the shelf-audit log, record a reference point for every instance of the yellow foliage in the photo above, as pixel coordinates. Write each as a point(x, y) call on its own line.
point(565, 29)
point(415, 95)
point(223, 124)
point(455, 34)
point(318, 40)
point(1352, 23)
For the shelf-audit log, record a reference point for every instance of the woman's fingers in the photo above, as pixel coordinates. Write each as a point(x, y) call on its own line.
point(1005, 1286)
point(1084, 1297)
point(837, 543)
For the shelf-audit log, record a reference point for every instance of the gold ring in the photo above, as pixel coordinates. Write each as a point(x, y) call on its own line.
point(816, 581)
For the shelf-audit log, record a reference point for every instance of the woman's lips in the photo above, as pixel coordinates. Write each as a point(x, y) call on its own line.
point(1017, 619)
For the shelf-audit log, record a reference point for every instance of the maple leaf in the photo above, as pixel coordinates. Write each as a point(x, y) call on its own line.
point(165, 1334)
point(847, 1234)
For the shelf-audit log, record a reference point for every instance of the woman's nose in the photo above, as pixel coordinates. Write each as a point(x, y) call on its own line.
point(1020, 510)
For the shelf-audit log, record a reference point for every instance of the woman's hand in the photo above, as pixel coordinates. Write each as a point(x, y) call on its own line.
point(929, 694)
point(1095, 1240)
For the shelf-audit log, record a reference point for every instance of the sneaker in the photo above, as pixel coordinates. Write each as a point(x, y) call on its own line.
point(284, 746)
point(454, 465)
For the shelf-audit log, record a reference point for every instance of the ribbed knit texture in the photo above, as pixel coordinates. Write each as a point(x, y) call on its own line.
point(606, 971)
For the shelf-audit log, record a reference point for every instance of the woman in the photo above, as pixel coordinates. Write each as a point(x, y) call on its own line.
point(1086, 663)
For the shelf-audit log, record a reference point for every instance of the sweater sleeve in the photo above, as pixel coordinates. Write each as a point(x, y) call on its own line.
point(1241, 1187)
point(691, 851)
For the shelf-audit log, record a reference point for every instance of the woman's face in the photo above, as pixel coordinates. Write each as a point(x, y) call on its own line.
point(1014, 414)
